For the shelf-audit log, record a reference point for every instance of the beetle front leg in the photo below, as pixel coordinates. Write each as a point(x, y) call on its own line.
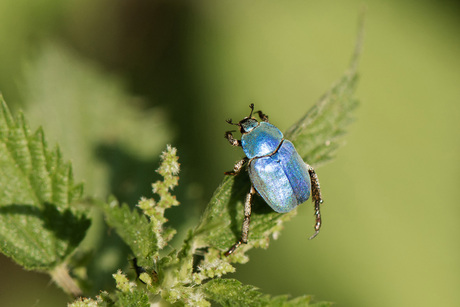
point(231, 139)
point(247, 218)
point(316, 197)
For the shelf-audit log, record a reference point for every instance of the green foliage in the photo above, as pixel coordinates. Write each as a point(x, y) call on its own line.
point(317, 134)
point(129, 295)
point(41, 226)
point(144, 232)
point(230, 292)
point(133, 227)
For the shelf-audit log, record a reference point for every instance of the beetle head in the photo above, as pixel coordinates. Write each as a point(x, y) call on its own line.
point(246, 124)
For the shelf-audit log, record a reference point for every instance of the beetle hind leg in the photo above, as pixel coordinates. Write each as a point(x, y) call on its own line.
point(317, 199)
point(247, 218)
point(231, 139)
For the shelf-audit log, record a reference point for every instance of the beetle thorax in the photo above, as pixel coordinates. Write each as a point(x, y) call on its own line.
point(261, 140)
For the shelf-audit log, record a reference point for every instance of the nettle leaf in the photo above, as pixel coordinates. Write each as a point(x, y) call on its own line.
point(133, 227)
point(317, 136)
point(143, 230)
point(39, 227)
point(231, 292)
point(220, 225)
point(128, 293)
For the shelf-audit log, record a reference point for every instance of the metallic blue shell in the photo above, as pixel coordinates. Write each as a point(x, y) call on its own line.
point(262, 140)
point(282, 179)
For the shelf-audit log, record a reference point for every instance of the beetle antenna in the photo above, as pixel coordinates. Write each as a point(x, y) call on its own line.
point(252, 109)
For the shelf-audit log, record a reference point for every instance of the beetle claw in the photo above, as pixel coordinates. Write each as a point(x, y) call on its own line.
point(314, 235)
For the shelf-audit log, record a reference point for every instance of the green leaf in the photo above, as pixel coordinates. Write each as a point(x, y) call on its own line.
point(220, 224)
point(133, 227)
point(144, 232)
point(317, 136)
point(230, 292)
point(136, 298)
point(39, 227)
point(129, 294)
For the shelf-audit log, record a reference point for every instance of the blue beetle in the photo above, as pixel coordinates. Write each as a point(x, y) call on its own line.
point(276, 170)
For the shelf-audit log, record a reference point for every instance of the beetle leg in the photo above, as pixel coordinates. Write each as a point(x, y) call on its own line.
point(237, 168)
point(247, 218)
point(231, 139)
point(263, 117)
point(316, 197)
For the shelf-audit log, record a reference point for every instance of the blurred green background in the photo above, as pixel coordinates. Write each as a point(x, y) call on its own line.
point(114, 81)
